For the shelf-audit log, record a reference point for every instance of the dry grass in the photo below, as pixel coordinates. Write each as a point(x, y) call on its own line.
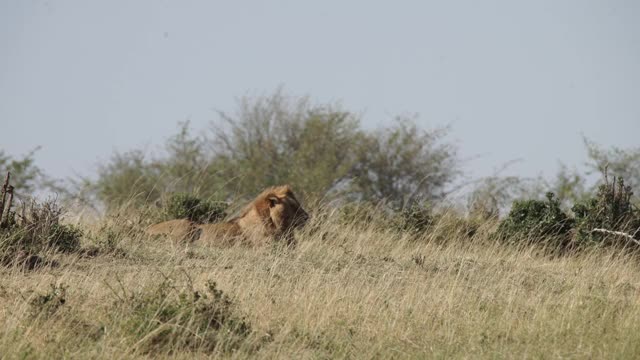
point(344, 292)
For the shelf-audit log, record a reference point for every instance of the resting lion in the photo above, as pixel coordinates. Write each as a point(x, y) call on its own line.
point(272, 215)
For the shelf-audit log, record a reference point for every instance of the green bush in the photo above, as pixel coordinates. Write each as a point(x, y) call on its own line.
point(610, 210)
point(164, 320)
point(536, 220)
point(36, 232)
point(415, 219)
point(186, 206)
point(323, 151)
point(65, 237)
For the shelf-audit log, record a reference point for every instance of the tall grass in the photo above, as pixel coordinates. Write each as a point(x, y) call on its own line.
point(347, 290)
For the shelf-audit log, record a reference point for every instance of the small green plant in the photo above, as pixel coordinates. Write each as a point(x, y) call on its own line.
point(536, 219)
point(610, 211)
point(165, 319)
point(186, 206)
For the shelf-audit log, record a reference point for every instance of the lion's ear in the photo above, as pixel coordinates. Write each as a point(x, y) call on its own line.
point(273, 200)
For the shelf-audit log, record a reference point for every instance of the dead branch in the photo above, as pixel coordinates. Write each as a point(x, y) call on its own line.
point(618, 233)
point(5, 187)
point(10, 203)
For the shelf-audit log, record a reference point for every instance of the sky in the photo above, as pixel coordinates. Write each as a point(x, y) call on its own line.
point(514, 79)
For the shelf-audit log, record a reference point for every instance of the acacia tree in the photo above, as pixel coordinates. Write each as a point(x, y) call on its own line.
point(275, 139)
point(405, 164)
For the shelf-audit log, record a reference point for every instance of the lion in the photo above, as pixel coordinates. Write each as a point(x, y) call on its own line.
point(271, 216)
point(179, 229)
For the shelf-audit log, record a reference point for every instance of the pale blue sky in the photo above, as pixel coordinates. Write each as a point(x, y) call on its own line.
point(515, 79)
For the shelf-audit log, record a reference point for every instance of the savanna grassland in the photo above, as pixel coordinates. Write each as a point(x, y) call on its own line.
point(394, 264)
point(349, 289)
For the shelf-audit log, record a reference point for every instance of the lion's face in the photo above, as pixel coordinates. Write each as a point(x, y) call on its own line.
point(280, 209)
point(286, 212)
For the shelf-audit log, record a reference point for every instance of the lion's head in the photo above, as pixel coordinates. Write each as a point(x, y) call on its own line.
point(275, 212)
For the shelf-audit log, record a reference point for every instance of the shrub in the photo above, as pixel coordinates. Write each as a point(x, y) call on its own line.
point(404, 163)
point(65, 237)
point(610, 210)
point(276, 139)
point(186, 206)
point(38, 230)
point(536, 219)
point(164, 319)
point(414, 218)
point(321, 150)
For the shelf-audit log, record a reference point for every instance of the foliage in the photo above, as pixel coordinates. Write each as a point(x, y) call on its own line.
point(165, 319)
point(186, 206)
point(622, 163)
point(277, 139)
point(568, 185)
point(136, 179)
point(611, 209)
point(25, 174)
point(65, 237)
point(38, 231)
point(495, 193)
point(403, 164)
point(413, 218)
point(321, 150)
point(189, 165)
point(128, 178)
point(536, 220)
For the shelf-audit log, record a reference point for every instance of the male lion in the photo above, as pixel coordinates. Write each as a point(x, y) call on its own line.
point(272, 215)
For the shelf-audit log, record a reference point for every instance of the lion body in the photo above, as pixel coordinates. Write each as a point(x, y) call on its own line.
point(271, 215)
point(176, 230)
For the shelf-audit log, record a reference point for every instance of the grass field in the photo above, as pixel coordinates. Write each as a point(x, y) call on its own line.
point(346, 291)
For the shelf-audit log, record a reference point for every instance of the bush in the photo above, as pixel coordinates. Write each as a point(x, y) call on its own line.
point(276, 139)
point(321, 150)
point(186, 206)
point(415, 219)
point(610, 210)
point(536, 220)
point(404, 164)
point(37, 231)
point(65, 237)
point(166, 320)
